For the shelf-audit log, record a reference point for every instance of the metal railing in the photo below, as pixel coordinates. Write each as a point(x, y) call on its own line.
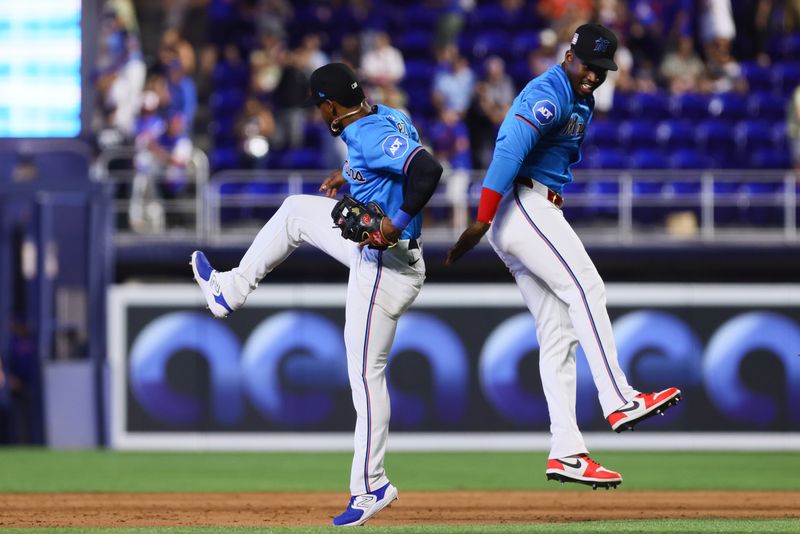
point(184, 213)
point(624, 207)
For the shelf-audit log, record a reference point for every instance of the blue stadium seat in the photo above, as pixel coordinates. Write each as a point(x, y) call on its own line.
point(607, 159)
point(780, 136)
point(753, 135)
point(770, 159)
point(766, 106)
point(675, 134)
point(572, 212)
point(730, 106)
point(638, 133)
point(716, 139)
point(419, 71)
point(302, 158)
point(414, 43)
point(758, 78)
point(653, 106)
point(757, 210)
point(690, 106)
point(523, 43)
point(606, 194)
point(786, 76)
point(603, 134)
point(225, 158)
point(725, 209)
point(648, 158)
point(226, 102)
point(688, 158)
point(421, 16)
point(682, 188)
point(520, 72)
point(487, 43)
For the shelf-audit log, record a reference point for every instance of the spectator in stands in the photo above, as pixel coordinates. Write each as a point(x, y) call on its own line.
point(315, 56)
point(546, 55)
point(119, 79)
point(682, 69)
point(289, 95)
point(266, 67)
point(255, 126)
point(183, 93)
point(793, 127)
point(349, 51)
point(493, 97)
point(172, 40)
point(449, 139)
point(453, 82)
point(451, 20)
point(383, 64)
point(272, 16)
point(163, 152)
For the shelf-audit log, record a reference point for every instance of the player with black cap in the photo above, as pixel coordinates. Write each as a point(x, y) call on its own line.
point(386, 165)
point(538, 142)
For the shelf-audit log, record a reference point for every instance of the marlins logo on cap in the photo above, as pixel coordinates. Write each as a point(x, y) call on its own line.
point(595, 45)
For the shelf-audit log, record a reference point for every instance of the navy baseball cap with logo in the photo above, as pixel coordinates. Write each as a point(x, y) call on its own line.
point(595, 45)
point(337, 82)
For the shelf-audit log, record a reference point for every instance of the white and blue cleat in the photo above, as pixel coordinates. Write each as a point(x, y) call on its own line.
point(209, 281)
point(362, 507)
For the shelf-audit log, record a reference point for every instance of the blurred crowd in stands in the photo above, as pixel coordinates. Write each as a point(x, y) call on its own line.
point(230, 76)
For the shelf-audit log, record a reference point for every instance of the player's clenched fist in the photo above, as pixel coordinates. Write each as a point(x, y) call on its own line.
point(332, 183)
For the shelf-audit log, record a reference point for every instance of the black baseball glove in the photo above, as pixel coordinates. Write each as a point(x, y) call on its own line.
point(359, 222)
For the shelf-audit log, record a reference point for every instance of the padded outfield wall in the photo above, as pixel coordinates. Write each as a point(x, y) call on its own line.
point(463, 373)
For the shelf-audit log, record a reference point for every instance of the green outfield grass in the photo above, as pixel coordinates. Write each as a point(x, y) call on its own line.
point(33, 470)
point(703, 526)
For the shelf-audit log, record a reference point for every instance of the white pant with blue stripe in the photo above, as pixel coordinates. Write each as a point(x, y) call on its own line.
point(381, 286)
point(565, 294)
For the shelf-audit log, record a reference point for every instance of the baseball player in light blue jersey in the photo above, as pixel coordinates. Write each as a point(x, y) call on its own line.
point(387, 165)
point(538, 141)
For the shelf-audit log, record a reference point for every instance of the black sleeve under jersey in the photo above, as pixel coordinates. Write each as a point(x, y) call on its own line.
point(424, 173)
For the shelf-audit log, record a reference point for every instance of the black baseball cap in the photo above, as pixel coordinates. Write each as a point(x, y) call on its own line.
point(337, 82)
point(595, 45)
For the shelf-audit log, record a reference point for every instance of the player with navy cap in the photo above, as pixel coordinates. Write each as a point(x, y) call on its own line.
point(387, 165)
point(520, 206)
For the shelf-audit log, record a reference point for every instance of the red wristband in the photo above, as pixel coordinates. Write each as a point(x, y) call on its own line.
point(490, 200)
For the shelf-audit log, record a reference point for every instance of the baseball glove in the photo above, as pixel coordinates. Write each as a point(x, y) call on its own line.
point(359, 222)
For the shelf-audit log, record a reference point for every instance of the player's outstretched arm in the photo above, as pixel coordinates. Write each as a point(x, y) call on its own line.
point(469, 238)
point(332, 183)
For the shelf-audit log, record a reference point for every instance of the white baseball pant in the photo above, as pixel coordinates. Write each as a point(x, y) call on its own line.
point(565, 294)
point(381, 286)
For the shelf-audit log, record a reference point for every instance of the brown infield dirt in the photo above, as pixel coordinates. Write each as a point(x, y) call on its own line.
point(39, 510)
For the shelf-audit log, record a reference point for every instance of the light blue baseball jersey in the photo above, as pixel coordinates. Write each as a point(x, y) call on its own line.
point(542, 133)
point(380, 148)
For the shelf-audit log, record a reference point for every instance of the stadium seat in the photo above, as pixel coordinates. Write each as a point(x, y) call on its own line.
point(786, 76)
point(725, 198)
point(761, 203)
point(652, 106)
point(523, 43)
point(415, 43)
point(487, 43)
point(607, 159)
point(752, 136)
point(226, 102)
point(421, 16)
point(766, 106)
point(638, 133)
point(302, 158)
point(648, 158)
point(758, 78)
point(224, 158)
point(688, 158)
point(779, 134)
point(419, 71)
point(716, 139)
point(604, 198)
point(770, 159)
point(690, 106)
point(675, 134)
point(730, 106)
point(603, 134)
